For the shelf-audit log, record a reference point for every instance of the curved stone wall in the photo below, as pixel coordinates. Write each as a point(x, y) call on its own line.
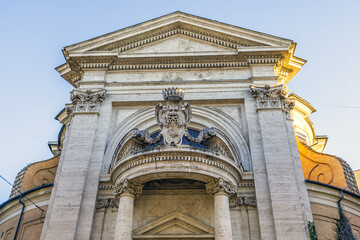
point(324, 206)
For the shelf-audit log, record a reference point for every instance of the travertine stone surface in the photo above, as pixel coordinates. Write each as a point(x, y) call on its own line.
point(76, 186)
point(66, 198)
point(283, 185)
point(151, 206)
point(266, 220)
point(221, 189)
point(94, 169)
point(124, 221)
point(222, 216)
point(126, 191)
point(215, 64)
point(303, 194)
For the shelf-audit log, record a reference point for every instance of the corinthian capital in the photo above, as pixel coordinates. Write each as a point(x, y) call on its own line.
point(127, 186)
point(220, 185)
point(272, 97)
point(85, 101)
point(268, 96)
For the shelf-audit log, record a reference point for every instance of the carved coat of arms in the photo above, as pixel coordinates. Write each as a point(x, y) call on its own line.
point(173, 117)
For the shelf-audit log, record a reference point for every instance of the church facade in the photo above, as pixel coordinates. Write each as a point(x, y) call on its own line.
point(182, 127)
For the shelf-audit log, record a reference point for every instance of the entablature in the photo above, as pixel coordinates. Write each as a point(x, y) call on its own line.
point(174, 162)
point(180, 41)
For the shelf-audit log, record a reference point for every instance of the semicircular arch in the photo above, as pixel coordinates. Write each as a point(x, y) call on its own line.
point(229, 131)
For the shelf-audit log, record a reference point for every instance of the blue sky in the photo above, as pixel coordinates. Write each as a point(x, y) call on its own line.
point(32, 34)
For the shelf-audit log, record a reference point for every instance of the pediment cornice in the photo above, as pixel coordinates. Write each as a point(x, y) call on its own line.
point(179, 23)
point(190, 228)
point(228, 46)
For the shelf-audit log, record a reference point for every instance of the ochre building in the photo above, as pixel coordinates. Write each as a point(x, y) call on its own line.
point(183, 127)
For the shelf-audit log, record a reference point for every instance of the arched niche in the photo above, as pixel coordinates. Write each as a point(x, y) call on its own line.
point(228, 132)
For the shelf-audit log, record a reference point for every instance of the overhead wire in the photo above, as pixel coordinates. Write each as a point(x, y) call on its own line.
point(21, 193)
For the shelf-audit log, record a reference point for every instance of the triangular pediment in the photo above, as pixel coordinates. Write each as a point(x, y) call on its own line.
point(174, 225)
point(180, 41)
point(179, 23)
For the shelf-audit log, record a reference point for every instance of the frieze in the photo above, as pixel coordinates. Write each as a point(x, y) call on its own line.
point(127, 186)
point(178, 64)
point(85, 101)
point(242, 201)
point(216, 185)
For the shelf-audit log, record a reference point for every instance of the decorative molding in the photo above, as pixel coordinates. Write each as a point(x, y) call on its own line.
point(213, 39)
point(179, 65)
point(289, 104)
point(216, 185)
point(243, 201)
point(262, 59)
point(82, 64)
point(281, 71)
point(85, 101)
point(127, 186)
point(105, 186)
point(175, 157)
point(76, 79)
point(246, 185)
point(175, 64)
point(105, 203)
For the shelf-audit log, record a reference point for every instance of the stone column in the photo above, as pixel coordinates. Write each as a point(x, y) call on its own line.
point(62, 218)
point(273, 108)
point(221, 190)
point(126, 191)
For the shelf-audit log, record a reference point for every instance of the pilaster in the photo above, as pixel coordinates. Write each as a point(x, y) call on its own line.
point(261, 181)
point(273, 110)
point(68, 194)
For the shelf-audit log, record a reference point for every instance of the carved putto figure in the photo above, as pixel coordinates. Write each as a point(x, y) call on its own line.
point(173, 119)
